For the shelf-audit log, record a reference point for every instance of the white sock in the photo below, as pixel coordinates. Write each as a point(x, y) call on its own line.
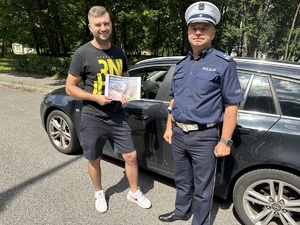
point(99, 192)
point(137, 191)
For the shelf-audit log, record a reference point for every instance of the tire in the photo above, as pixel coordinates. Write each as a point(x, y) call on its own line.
point(267, 196)
point(61, 132)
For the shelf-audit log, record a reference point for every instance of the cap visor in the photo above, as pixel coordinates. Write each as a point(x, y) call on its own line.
point(200, 21)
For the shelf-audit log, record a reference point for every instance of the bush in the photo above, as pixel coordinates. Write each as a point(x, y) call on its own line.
point(41, 66)
point(5, 64)
point(49, 66)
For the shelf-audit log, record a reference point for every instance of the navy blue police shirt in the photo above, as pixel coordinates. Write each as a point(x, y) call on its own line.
point(202, 87)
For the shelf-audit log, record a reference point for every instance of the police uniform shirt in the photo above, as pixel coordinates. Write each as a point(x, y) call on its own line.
point(202, 87)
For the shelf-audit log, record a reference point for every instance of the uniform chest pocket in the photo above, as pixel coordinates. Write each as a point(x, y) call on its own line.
point(207, 82)
point(178, 80)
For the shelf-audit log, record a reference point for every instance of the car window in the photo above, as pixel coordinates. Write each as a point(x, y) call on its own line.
point(152, 78)
point(259, 97)
point(288, 94)
point(244, 79)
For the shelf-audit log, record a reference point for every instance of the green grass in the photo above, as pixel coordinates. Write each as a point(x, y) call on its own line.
point(5, 64)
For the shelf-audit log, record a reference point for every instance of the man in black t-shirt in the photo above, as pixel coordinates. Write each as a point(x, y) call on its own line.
point(102, 118)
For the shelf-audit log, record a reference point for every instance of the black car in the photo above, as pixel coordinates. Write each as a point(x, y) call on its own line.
point(262, 172)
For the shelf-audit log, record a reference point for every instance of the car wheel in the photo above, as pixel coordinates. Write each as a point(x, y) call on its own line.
point(267, 196)
point(61, 132)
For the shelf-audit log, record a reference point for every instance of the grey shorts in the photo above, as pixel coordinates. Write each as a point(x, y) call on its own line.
point(95, 131)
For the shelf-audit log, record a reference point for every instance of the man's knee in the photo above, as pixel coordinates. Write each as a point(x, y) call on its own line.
point(130, 157)
point(94, 162)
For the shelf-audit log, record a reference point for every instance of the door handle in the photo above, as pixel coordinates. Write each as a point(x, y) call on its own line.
point(139, 117)
point(241, 130)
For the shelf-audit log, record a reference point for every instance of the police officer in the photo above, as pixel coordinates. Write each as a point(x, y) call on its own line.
point(205, 93)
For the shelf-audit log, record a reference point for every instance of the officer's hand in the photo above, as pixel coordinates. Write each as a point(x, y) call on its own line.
point(168, 135)
point(103, 100)
point(221, 150)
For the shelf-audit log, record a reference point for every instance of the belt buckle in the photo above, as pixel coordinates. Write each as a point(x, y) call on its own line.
point(183, 126)
point(192, 127)
point(187, 127)
point(210, 125)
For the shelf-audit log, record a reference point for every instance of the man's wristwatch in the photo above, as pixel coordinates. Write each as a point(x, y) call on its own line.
point(226, 142)
point(169, 110)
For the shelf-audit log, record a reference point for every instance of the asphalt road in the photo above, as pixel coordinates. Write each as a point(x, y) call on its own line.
point(39, 185)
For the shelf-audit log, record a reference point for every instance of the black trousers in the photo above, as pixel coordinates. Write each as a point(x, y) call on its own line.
point(194, 171)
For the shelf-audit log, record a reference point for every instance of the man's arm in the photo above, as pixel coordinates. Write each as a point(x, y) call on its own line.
point(72, 89)
point(229, 124)
point(169, 132)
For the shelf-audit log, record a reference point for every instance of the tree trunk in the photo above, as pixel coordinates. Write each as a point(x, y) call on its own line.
point(245, 44)
point(293, 44)
point(48, 26)
point(286, 53)
point(254, 14)
point(11, 47)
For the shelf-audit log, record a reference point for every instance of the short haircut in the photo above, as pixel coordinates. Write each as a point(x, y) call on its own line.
point(96, 11)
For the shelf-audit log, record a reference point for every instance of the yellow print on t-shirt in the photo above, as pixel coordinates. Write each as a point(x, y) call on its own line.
point(109, 66)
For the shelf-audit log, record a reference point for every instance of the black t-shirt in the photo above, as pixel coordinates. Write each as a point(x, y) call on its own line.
point(92, 64)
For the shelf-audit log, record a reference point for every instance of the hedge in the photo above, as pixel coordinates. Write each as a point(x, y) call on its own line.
point(41, 65)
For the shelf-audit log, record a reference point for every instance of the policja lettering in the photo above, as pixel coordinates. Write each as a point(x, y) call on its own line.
point(208, 69)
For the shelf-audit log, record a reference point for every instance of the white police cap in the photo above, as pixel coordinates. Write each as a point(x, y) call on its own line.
point(202, 12)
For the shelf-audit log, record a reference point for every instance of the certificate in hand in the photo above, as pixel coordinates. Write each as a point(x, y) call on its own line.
point(118, 87)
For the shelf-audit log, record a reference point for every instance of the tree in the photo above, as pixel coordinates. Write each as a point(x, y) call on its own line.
point(289, 48)
point(251, 28)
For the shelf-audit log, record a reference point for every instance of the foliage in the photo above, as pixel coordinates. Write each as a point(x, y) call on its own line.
point(247, 28)
point(5, 64)
point(41, 65)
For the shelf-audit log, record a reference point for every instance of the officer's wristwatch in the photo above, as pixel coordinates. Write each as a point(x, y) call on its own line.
point(170, 110)
point(227, 142)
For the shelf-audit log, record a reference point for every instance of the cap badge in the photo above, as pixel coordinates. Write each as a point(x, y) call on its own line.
point(201, 6)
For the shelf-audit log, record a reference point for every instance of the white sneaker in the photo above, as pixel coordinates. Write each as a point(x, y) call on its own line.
point(100, 202)
point(139, 198)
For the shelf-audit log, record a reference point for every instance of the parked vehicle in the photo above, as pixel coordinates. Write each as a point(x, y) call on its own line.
point(262, 171)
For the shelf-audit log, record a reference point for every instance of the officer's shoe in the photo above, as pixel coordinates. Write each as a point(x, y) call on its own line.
point(170, 217)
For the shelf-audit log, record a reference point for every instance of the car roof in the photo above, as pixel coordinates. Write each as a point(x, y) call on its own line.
point(160, 60)
point(282, 68)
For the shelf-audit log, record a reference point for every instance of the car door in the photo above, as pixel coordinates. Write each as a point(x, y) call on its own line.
point(257, 114)
point(147, 119)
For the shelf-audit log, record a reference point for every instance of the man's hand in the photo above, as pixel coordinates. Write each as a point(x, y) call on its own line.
point(124, 99)
point(168, 135)
point(103, 100)
point(221, 150)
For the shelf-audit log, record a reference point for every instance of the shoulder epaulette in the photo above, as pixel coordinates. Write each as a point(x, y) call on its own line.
point(223, 55)
point(181, 59)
